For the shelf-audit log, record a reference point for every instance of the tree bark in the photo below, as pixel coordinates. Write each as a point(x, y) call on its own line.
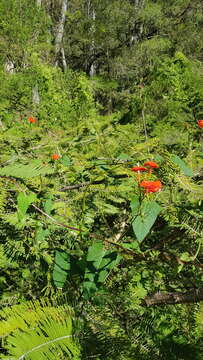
point(191, 296)
point(92, 15)
point(139, 4)
point(92, 67)
point(63, 59)
point(60, 30)
point(35, 96)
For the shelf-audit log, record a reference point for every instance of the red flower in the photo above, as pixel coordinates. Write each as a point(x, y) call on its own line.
point(32, 120)
point(55, 157)
point(200, 123)
point(151, 164)
point(151, 186)
point(138, 168)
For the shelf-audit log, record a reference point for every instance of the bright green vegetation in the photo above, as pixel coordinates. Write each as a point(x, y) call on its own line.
point(87, 257)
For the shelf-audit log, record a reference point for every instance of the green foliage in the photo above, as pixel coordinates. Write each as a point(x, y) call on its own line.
point(186, 171)
point(61, 268)
point(69, 225)
point(37, 330)
point(144, 216)
point(98, 264)
point(18, 170)
point(23, 202)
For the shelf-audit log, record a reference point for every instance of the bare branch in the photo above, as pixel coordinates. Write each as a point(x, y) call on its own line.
point(192, 296)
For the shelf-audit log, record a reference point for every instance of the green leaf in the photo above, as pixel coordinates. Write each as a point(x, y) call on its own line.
point(26, 171)
point(143, 223)
point(109, 261)
point(96, 253)
point(48, 205)
point(61, 268)
point(99, 263)
point(40, 333)
point(23, 202)
point(124, 156)
point(135, 204)
point(183, 166)
point(66, 161)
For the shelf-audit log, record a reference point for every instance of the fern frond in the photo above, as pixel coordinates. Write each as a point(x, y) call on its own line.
point(50, 340)
point(186, 184)
point(21, 316)
point(27, 171)
point(192, 226)
point(3, 194)
point(38, 331)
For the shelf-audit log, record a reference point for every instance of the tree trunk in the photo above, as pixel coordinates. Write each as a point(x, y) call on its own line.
point(63, 59)
point(9, 67)
point(35, 96)
point(60, 31)
point(139, 4)
point(92, 67)
point(39, 3)
point(191, 296)
point(92, 15)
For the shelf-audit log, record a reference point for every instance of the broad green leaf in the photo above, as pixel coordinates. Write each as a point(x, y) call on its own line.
point(109, 261)
point(183, 166)
point(48, 205)
point(99, 263)
point(124, 156)
point(133, 245)
point(61, 268)
point(143, 222)
point(135, 204)
point(23, 202)
point(96, 253)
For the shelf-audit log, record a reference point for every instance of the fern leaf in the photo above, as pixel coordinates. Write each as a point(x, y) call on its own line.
point(186, 184)
point(50, 340)
point(39, 332)
point(27, 171)
point(3, 195)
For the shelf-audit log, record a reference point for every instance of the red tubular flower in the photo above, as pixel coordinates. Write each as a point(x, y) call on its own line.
point(32, 120)
point(138, 168)
point(151, 165)
point(151, 186)
point(55, 157)
point(200, 123)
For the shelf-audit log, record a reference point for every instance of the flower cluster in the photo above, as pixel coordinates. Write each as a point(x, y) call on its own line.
point(32, 120)
point(151, 186)
point(200, 123)
point(55, 157)
point(148, 185)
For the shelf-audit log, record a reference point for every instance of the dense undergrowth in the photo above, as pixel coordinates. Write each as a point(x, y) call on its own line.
point(85, 241)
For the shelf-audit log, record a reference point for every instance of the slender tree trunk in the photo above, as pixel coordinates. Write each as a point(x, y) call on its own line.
point(139, 4)
point(39, 3)
point(191, 296)
point(9, 67)
point(92, 15)
point(63, 59)
point(35, 96)
point(92, 68)
point(60, 32)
